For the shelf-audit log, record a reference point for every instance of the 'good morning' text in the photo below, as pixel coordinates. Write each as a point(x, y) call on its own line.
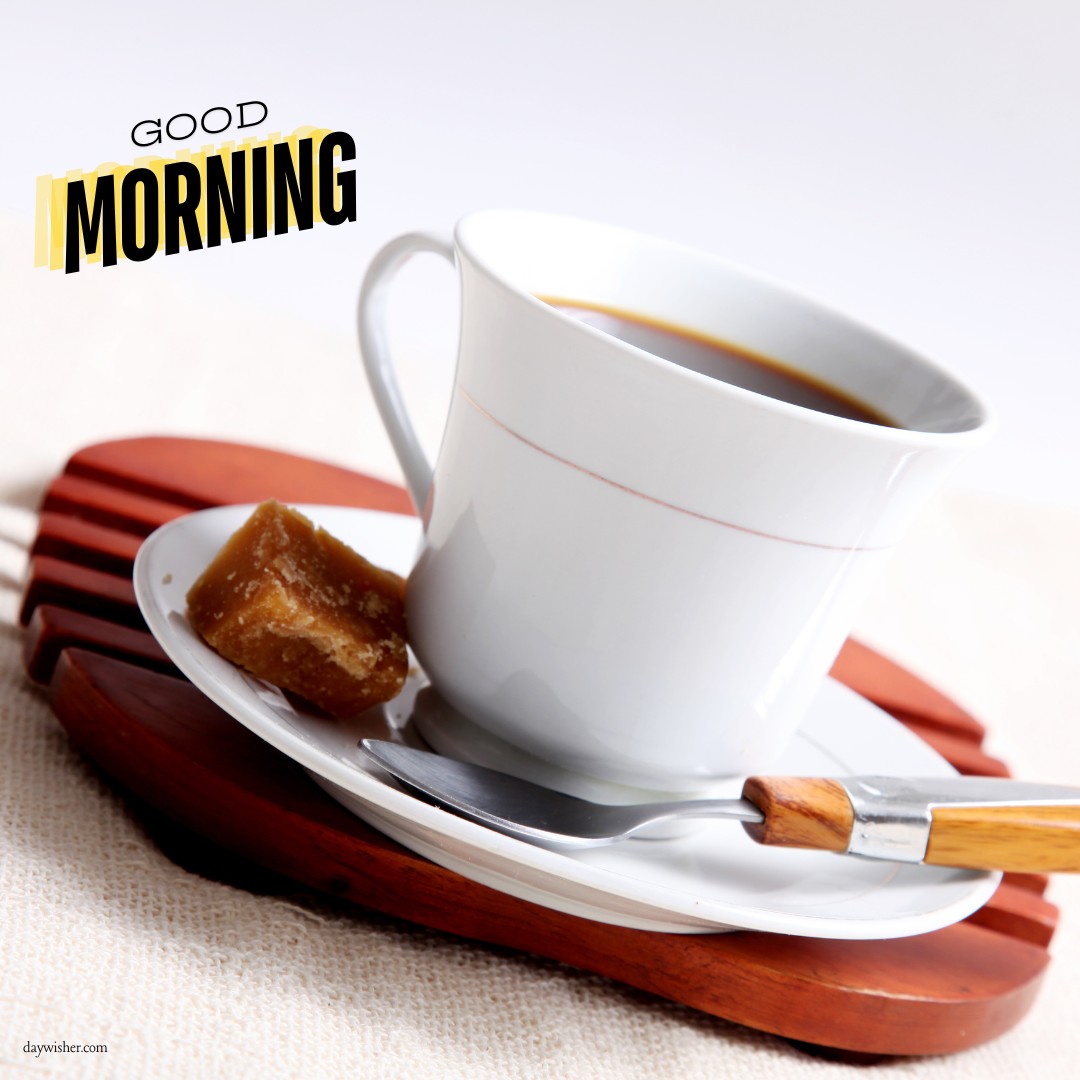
point(256, 188)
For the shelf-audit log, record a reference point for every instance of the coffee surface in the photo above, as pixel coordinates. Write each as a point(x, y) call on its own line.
point(722, 361)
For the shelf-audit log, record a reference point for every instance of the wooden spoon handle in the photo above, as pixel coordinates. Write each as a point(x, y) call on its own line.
point(808, 812)
point(1027, 839)
point(800, 812)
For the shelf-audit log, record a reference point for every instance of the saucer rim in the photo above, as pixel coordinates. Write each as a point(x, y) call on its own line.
point(197, 661)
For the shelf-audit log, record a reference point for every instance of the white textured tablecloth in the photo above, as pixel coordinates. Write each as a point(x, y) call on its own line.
point(104, 940)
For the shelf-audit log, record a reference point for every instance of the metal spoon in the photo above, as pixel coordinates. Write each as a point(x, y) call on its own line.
point(972, 822)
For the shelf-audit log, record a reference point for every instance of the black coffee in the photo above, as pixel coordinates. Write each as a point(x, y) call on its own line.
point(718, 360)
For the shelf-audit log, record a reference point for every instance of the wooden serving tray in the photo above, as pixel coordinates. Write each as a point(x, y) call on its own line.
point(231, 806)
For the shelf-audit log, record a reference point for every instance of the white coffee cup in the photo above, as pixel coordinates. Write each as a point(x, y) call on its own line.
point(632, 570)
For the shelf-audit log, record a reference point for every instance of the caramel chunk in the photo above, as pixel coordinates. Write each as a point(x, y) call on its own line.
point(300, 609)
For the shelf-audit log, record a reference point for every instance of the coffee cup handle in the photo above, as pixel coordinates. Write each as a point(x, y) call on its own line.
point(374, 350)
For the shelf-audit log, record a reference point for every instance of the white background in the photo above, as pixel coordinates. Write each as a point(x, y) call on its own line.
point(916, 164)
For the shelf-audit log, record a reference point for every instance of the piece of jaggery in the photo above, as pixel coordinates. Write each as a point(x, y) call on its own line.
point(300, 609)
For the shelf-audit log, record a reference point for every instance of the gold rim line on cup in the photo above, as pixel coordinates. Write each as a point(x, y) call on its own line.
point(661, 502)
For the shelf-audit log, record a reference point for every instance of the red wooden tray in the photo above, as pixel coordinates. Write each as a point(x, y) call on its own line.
point(229, 805)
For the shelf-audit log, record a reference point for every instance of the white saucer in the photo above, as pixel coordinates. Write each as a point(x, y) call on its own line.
point(715, 879)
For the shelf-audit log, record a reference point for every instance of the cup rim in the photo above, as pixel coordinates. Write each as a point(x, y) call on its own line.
point(985, 420)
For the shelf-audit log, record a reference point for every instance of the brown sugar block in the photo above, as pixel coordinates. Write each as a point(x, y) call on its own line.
point(300, 609)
